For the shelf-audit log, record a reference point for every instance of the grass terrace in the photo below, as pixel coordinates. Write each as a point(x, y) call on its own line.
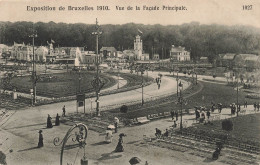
point(59, 84)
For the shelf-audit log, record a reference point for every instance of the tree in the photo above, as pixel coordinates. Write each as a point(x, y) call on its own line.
point(124, 109)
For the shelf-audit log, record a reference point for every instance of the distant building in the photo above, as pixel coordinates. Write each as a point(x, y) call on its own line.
point(138, 47)
point(129, 54)
point(108, 52)
point(41, 53)
point(3, 48)
point(88, 59)
point(179, 54)
point(204, 60)
point(156, 57)
point(252, 62)
point(227, 60)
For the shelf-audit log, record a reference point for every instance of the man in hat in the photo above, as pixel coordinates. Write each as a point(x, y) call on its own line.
point(40, 143)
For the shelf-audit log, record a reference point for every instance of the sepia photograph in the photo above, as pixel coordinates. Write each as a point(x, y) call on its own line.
point(128, 82)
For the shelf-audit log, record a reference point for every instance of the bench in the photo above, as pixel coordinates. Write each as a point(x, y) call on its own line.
point(160, 115)
point(166, 114)
point(142, 120)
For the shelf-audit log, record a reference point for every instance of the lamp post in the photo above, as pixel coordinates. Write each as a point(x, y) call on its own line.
point(181, 101)
point(79, 81)
point(34, 79)
point(177, 79)
point(237, 96)
point(97, 83)
point(117, 76)
point(142, 72)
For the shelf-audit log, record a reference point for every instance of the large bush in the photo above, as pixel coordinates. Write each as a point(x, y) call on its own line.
point(227, 125)
point(123, 109)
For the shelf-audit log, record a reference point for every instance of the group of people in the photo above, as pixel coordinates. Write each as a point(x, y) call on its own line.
point(49, 125)
point(49, 122)
point(234, 109)
point(201, 116)
point(158, 133)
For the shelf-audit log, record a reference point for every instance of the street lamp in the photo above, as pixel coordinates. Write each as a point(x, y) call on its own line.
point(177, 79)
point(142, 72)
point(181, 101)
point(237, 96)
point(97, 83)
point(34, 79)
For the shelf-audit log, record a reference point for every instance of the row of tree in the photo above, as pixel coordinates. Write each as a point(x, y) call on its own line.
point(201, 40)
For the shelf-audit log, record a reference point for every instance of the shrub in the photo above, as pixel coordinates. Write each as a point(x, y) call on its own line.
point(123, 109)
point(227, 125)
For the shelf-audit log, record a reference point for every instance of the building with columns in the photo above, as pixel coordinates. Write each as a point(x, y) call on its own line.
point(179, 54)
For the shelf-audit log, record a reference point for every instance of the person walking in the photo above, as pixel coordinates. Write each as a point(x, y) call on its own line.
point(40, 143)
point(116, 121)
point(57, 121)
point(64, 111)
point(119, 147)
point(176, 115)
point(197, 114)
point(208, 114)
point(166, 134)
point(49, 123)
point(258, 106)
point(255, 106)
point(172, 114)
point(245, 104)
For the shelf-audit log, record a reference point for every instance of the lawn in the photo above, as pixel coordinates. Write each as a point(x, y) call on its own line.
point(61, 84)
point(211, 92)
point(246, 129)
point(132, 79)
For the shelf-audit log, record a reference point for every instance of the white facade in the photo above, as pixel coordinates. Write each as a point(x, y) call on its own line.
point(41, 53)
point(179, 54)
point(138, 47)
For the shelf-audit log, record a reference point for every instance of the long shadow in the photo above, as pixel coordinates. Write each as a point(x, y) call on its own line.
point(28, 149)
point(99, 143)
point(208, 160)
point(108, 156)
point(25, 126)
point(68, 147)
point(132, 142)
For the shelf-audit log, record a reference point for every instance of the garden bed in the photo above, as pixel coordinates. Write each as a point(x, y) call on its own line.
point(246, 130)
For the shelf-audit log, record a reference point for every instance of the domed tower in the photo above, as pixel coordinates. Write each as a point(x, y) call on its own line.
point(138, 47)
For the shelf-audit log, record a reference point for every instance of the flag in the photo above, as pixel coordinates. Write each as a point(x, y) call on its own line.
point(140, 31)
point(52, 41)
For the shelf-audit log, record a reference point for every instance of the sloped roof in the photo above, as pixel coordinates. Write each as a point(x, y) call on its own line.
point(177, 49)
point(203, 58)
point(252, 58)
point(244, 56)
point(108, 49)
point(3, 46)
point(229, 56)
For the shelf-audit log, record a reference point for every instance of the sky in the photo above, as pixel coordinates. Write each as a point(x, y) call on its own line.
point(226, 12)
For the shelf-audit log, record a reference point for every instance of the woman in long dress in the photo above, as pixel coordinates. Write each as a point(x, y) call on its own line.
point(49, 124)
point(40, 143)
point(57, 121)
point(119, 147)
